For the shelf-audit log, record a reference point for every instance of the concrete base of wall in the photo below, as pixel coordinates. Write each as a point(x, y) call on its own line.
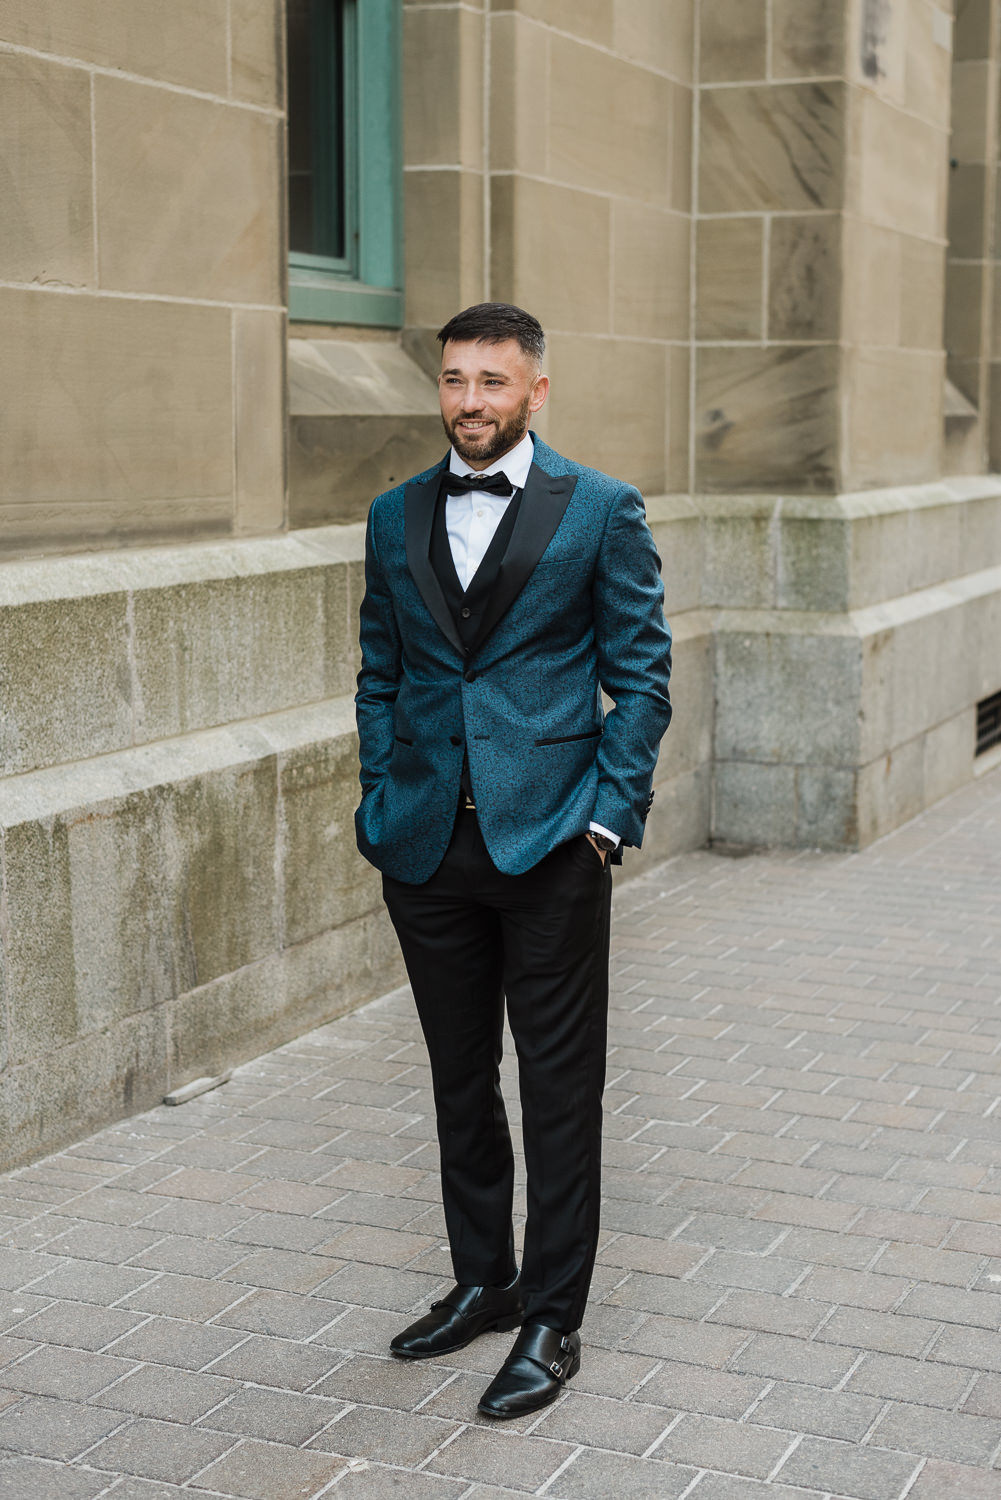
point(854, 638)
point(173, 909)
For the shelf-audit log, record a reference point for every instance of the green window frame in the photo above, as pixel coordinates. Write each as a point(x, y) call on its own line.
point(356, 80)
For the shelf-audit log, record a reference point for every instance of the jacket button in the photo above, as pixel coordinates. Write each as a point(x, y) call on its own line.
point(470, 676)
point(466, 613)
point(456, 739)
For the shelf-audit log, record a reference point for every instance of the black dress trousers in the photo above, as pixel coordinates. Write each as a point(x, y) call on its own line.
point(472, 936)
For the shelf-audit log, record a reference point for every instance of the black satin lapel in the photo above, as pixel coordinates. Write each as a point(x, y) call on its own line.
point(418, 517)
point(543, 504)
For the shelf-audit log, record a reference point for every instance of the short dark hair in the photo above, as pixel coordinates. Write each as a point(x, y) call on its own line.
point(494, 323)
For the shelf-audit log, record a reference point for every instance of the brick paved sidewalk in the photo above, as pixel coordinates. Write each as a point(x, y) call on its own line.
point(798, 1292)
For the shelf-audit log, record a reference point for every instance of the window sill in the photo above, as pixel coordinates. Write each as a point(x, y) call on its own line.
point(362, 417)
point(317, 298)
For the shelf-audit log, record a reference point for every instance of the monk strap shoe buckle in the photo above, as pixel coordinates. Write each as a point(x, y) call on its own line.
point(534, 1373)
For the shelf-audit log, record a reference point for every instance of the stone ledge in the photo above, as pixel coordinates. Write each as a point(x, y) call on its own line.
point(890, 614)
point(954, 489)
point(887, 614)
point(841, 690)
point(108, 650)
point(848, 551)
point(42, 580)
point(171, 909)
point(57, 791)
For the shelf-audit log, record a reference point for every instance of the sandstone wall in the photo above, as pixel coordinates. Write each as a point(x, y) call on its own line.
point(142, 280)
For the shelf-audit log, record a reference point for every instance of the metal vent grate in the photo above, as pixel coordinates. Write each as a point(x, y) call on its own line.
point(988, 723)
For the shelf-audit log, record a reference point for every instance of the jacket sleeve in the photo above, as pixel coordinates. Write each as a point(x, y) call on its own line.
point(633, 644)
point(379, 678)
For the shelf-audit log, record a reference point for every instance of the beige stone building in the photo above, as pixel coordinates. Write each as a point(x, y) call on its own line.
point(763, 236)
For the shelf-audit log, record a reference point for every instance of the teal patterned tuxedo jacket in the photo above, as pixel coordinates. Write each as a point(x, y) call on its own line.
point(576, 607)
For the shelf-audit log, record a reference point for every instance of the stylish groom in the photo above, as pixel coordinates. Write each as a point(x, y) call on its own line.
point(505, 589)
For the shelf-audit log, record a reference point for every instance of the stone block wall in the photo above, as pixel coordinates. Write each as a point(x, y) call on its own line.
point(142, 253)
point(973, 434)
point(823, 148)
point(179, 886)
point(771, 124)
point(556, 173)
point(894, 246)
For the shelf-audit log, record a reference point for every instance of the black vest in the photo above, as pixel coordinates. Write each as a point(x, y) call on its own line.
point(467, 606)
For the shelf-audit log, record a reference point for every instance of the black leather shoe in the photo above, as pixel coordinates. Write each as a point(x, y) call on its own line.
point(534, 1373)
point(459, 1318)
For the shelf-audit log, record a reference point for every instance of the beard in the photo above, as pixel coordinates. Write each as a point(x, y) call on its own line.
point(493, 442)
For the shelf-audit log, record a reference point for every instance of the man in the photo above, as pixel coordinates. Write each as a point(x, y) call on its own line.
point(504, 588)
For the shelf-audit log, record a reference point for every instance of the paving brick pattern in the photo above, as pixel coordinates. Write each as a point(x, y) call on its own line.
point(798, 1290)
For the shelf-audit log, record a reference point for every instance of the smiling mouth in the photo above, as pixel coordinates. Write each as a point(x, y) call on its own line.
point(474, 426)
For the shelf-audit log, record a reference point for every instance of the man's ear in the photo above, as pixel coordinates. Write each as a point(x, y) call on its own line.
point(539, 394)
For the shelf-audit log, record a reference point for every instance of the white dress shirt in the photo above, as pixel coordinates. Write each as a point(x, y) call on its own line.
point(472, 519)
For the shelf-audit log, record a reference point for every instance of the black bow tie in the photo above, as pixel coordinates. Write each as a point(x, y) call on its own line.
point(493, 484)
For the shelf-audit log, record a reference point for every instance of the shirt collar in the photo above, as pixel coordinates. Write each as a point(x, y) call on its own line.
point(515, 463)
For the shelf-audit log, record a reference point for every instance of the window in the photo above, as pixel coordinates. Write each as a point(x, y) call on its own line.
point(344, 162)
